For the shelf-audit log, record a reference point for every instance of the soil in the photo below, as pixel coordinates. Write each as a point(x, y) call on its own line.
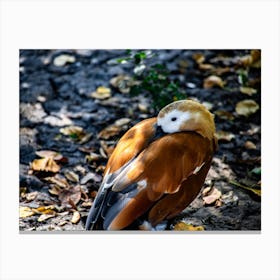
point(56, 89)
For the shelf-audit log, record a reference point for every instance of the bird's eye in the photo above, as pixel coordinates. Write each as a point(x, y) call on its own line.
point(173, 119)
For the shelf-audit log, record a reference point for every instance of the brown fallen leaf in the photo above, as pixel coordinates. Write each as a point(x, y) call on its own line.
point(55, 190)
point(69, 196)
point(212, 81)
point(49, 154)
point(198, 58)
point(76, 217)
point(248, 90)
point(101, 93)
point(44, 217)
point(250, 145)
point(58, 180)
point(225, 115)
point(106, 150)
point(123, 83)
point(109, 131)
point(45, 164)
point(72, 176)
point(224, 135)
point(187, 227)
point(25, 212)
point(211, 195)
point(205, 66)
point(246, 107)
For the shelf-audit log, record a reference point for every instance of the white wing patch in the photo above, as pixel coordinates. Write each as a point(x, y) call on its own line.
point(198, 168)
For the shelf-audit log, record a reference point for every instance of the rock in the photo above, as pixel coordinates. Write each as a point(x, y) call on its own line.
point(33, 112)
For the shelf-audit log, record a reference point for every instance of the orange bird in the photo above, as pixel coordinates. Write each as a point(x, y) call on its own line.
point(156, 170)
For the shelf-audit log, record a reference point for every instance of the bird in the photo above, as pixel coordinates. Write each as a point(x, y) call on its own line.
point(156, 170)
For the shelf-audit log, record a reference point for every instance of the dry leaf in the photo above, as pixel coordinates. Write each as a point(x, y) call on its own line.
point(63, 59)
point(211, 196)
point(250, 145)
point(225, 115)
point(45, 210)
point(91, 176)
point(220, 70)
point(248, 90)
point(69, 196)
point(123, 83)
point(49, 154)
point(246, 107)
point(198, 58)
point(76, 217)
point(205, 66)
point(58, 180)
point(75, 132)
point(212, 81)
point(55, 190)
point(187, 227)
point(25, 212)
point(31, 196)
point(101, 93)
point(250, 189)
point(106, 150)
point(85, 138)
point(109, 131)
point(122, 122)
point(44, 217)
point(45, 164)
point(224, 135)
point(72, 176)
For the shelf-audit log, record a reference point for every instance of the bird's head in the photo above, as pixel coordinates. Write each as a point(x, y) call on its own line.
point(186, 115)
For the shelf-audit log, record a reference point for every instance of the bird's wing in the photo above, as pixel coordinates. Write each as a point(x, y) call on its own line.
point(129, 146)
point(166, 163)
point(171, 171)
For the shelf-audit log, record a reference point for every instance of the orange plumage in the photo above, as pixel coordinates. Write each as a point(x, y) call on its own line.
point(157, 168)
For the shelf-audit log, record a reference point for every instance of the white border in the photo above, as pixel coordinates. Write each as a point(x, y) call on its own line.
point(135, 24)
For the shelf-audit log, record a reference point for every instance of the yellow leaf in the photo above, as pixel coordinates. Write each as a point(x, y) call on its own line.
point(75, 132)
point(224, 135)
point(187, 227)
point(251, 189)
point(45, 210)
point(76, 217)
point(225, 115)
point(198, 58)
point(63, 59)
point(25, 212)
point(248, 90)
point(101, 93)
point(212, 81)
point(246, 107)
point(250, 145)
point(45, 164)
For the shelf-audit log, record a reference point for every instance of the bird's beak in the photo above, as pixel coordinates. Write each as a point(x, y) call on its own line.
point(158, 132)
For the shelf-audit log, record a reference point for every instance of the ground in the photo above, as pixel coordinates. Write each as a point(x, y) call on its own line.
point(75, 105)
